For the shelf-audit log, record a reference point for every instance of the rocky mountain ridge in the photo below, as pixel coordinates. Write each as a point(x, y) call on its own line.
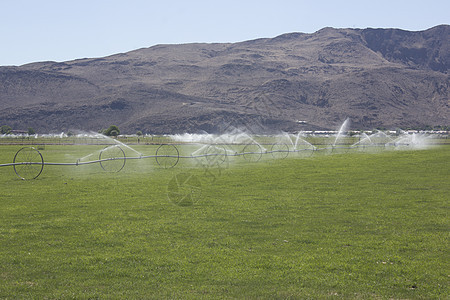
point(376, 77)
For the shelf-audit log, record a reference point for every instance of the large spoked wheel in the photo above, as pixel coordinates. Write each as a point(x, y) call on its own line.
point(112, 159)
point(167, 156)
point(280, 151)
point(252, 152)
point(216, 155)
point(28, 163)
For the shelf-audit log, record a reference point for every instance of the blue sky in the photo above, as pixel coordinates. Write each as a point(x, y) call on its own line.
point(61, 30)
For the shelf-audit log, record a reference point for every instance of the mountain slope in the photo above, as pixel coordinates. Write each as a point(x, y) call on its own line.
point(377, 77)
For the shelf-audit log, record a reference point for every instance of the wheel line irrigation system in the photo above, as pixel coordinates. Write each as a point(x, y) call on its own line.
point(28, 162)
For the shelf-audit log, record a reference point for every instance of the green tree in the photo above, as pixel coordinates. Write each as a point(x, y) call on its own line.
point(113, 130)
point(5, 129)
point(31, 131)
point(139, 133)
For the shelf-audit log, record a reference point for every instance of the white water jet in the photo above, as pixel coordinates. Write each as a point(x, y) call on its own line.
point(226, 140)
point(300, 141)
point(86, 157)
point(193, 138)
point(116, 142)
point(294, 141)
point(380, 138)
point(364, 140)
point(342, 130)
point(411, 141)
point(112, 143)
point(288, 137)
point(200, 150)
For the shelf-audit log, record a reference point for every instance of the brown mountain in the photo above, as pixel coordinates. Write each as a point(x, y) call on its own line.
point(376, 77)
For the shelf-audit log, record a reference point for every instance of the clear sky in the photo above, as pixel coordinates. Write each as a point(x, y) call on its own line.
point(60, 30)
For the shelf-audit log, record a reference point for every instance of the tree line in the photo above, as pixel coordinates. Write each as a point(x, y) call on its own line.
point(5, 129)
point(112, 130)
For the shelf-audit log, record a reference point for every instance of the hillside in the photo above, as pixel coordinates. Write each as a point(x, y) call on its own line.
point(377, 77)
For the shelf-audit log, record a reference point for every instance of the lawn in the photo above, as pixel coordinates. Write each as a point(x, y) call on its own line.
point(349, 225)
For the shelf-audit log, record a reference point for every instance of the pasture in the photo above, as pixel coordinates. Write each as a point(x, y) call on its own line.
point(354, 225)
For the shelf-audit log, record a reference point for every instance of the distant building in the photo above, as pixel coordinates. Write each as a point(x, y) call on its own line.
point(19, 132)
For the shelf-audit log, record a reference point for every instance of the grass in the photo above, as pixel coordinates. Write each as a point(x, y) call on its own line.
point(340, 226)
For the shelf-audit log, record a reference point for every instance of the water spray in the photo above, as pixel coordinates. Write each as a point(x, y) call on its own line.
point(28, 163)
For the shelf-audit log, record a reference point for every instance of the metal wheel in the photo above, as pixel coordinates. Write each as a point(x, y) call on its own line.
point(167, 156)
point(28, 163)
point(252, 152)
point(216, 155)
point(280, 151)
point(112, 159)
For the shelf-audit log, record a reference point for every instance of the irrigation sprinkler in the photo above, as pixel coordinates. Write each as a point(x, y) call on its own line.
point(279, 151)
point(324, 150)
point(307, 151)
point(252, 152)
point(216, 154)
point(112, 159)
point(167, 156)
point(28, 163)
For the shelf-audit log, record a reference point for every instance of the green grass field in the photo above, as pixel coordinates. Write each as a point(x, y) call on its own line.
point(353, 226)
